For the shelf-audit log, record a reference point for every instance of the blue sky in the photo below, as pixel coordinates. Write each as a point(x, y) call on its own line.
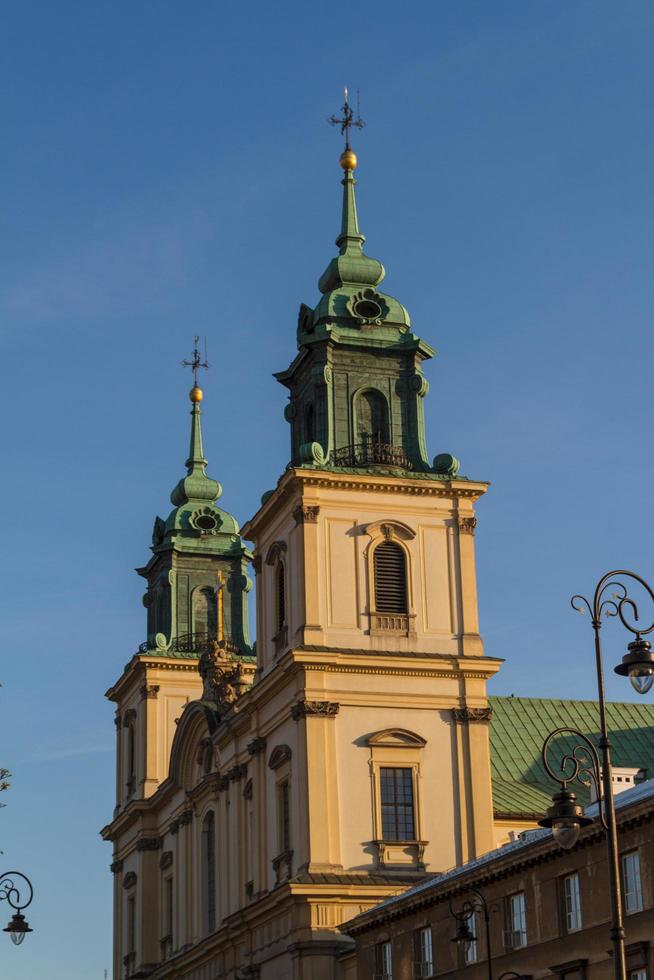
point(167, 169)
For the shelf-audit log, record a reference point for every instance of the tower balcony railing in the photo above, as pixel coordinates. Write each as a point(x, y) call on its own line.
point(372, 454)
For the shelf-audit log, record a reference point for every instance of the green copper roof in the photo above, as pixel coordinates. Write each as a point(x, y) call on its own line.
point(519, 727)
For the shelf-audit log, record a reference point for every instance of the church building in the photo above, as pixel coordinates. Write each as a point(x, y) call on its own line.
point(268, 793)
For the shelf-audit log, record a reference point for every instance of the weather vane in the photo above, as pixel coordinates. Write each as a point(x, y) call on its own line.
point(197, 361)
point(347, 120)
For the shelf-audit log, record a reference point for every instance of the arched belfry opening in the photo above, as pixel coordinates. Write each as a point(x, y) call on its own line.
point(205, 612)
point(371, 418)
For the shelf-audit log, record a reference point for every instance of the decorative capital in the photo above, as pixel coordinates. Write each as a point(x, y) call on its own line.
point(465, 715)
point(149, 692)
point(222, 782)
point(325, 709)
point(467, 525)
point(149, 844)
point(118, 721)
point(130, 879)
point(257, 745)
point(185, 817)
point(115, 867)
point(237, 772)
point(306, 515)
point(166, 860)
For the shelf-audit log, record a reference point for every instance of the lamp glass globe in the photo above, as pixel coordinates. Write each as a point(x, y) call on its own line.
point(566, 833)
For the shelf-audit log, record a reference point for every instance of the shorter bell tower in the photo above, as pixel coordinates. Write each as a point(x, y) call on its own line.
point(196, 599)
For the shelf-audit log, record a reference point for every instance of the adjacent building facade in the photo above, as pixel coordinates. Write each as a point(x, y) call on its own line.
point(548, 910)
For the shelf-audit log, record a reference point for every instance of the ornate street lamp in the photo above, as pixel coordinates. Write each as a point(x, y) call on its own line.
point(19, 897)
point(565, 816)
point(464, 935)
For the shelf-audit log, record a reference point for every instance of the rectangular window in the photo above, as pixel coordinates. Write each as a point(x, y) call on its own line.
point(516, 931)
point(640, 974)
point(131, 924)
point(470, 949)
point(571, 903)
point(424, 958)
point(633, 892)
point(397, 804)
point(284, 817)
point(168, 907)
point(383, 962)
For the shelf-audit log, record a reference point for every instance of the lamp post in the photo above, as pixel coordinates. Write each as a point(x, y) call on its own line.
point(19, 897)
point(464, 934)
point(566, 816)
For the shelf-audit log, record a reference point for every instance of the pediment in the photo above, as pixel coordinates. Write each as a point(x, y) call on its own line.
point(390, 529)
point(396, 738)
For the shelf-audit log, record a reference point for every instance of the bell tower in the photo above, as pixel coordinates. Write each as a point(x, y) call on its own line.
point(366, 586)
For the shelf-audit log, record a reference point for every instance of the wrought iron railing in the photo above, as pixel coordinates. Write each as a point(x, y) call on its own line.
point(372, 454)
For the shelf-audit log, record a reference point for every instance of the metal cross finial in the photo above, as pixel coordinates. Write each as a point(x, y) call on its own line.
point(347, 120)
point(197, 361)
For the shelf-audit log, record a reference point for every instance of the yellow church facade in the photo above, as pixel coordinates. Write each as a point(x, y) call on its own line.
point(265, 796)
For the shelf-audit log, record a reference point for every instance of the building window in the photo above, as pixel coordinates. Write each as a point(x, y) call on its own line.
point(205, 612)
point(131, 924)
point(470, 949)
point(516, 926)
point(131, 761)
point(383, 962)
point(390, 578)
point(284, 813)
point(631, 884)
point(640, 974)
point(280, 598)
point(571, 903)
point(424, 957)
point(397, 804)
point(209, 867)
point(167, 939)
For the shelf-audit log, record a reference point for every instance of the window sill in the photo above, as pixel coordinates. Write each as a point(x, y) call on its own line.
point(394, 624)
point(401, 853)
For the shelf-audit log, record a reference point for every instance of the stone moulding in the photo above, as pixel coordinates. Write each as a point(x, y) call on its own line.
point(325, 709)
point(130, 879)
point(116, 867)
point(166, 860)
point(237, 772)
point(149, 844)
point(465, 715)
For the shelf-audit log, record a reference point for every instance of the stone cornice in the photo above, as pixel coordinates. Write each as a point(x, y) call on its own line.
point(296, 479)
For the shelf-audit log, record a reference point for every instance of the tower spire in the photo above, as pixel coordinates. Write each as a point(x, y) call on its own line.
point(352, 265)
point(196, 485)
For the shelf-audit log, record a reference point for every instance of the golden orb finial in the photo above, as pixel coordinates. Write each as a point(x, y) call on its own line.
point(348, 160)
point(196, 394)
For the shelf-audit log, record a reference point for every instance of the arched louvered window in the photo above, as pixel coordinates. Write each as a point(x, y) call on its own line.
point(390, 578)
point(281, 597)
point(205, 612)
point(209, 870)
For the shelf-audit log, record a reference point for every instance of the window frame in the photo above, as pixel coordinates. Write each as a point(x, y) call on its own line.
point(624, 857)
point(209, 876)
point(510, 918)
point(571, 908)
point(423, 965)
point(384, 960)
point(396, 806)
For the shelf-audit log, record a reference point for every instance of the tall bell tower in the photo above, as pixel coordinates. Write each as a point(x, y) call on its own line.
point(366, 587)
